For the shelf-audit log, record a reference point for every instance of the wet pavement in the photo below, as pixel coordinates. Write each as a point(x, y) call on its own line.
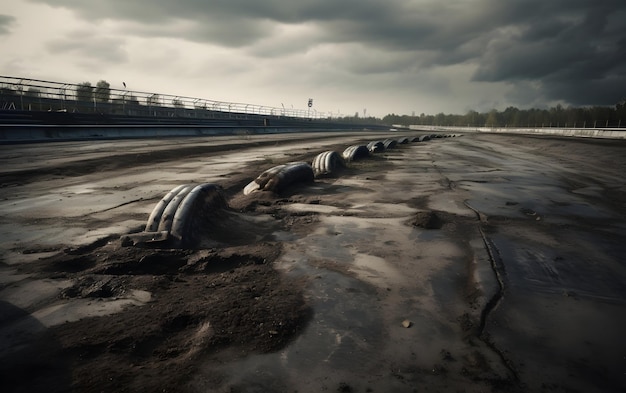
point(520, 287)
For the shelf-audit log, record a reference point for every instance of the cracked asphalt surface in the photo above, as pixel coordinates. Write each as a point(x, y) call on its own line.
point(475, 263)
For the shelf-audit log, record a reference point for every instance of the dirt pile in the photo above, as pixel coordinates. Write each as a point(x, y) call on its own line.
point(203, 302)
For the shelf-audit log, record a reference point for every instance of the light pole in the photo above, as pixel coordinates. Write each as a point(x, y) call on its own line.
point(310, 105)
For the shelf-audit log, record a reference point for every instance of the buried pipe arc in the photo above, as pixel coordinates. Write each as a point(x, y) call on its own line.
point(376, 147)
point(355, 152)
point(155, 217)
point(325, 163)
point(261, 181)
point(390, 143)
point(403, 141)
point(332, 161)
point(171, 215)
point(292, 173)
point(278, 177)
point(189, 205)
point(165, 223)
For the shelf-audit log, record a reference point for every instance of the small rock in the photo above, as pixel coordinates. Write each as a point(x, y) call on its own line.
point(407, 324)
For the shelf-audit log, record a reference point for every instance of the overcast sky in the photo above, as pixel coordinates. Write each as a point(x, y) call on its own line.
point(382, 56)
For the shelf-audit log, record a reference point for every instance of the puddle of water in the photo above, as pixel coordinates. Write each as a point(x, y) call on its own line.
point(83, 308)
point(448, 203)
point(577, 268)
point(511, 199)
point(347, 325)
point(12, 258)
point(285, 236)
point(378, 209)
point(590, 191)
point(375, 270)
point(30, 293)
point(578, 337)
point(85, 188)
point(359, 299)
point(312, 208)
point(9, 276)
point(91, 235)
point(34, 234)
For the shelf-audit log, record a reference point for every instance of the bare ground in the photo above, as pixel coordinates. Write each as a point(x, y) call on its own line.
point(225, 300)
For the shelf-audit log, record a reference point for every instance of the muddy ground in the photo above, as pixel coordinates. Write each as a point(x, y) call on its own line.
point(477, 263)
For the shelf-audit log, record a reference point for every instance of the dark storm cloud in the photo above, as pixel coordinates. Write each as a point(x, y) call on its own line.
point(576, 54)
point(571, 50)
point(5, 22)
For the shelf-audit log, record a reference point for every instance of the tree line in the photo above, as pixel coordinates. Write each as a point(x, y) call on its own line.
point(558, 116)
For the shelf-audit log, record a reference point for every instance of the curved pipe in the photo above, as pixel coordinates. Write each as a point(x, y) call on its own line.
point(260, 182)
point(292, 173)
point(355, 152)
point(165, 223)
point(327, 162)
point(157, 212)
point(196, 201)
point(278, 177)
point(390, 143)
point(376, 147)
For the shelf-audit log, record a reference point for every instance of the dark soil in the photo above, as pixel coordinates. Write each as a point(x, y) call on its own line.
point(204, 302)
point(428, 220)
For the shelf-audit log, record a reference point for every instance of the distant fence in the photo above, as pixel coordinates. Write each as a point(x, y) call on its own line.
point(608, 133)
point(38, 95)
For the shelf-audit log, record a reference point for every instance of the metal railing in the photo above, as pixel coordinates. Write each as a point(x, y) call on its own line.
point(39, 95)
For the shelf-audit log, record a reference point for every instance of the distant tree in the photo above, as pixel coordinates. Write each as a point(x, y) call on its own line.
point(509, 116)
point(492, 119)
point(558, 117)
point(620, 110)
point(84, 92)
point(103, 91)
point(33, 92)
point(520, 119)
point(469, 119)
